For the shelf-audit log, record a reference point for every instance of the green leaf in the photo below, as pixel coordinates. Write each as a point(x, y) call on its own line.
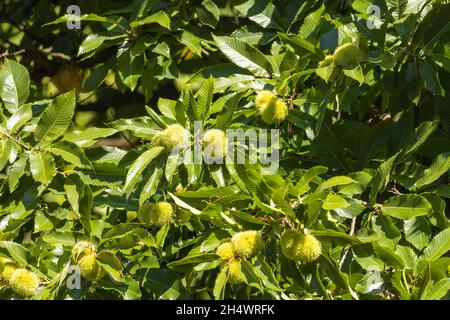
point(438, 290)
point(184, 205)
point(18, 252)
point(14, 85)
point(417, 232)
point(329, 149)
point(20, 117)
point(98, 76)
point(61, 238)
point(311, 22)
point(355, 73)
point(160, 18)
point(129, 69)
point(440, 165)
point(192, 42)
point(205, 96)
point(140, 165)
point(93, 41)
point(151, 186)
point(84, 17)
point(331, 235)
point(7, 148)
point(72, 194)
point(42, 167)
point(16, 172)
point(142, 127)
point(262, 12)
point(325, 72)
point(371, 283)
point(397, 7)
point(307, 177)
point(55, 119)
point(408, 256)
point(164, 284)
point(220, 284)
point(85, 206)
point(209, 14)
point(365, 256)
point(244, 55)
point(190, 259)
point(71, 153)
point(302, 46)
point(438, 246)
point(388, 255)
point(331, 268)
point(418, 137)
point(381, 178)
point(388, 233)
point(88, 137)
point(406, 206)
point(333, 201)
point(335, 181)
point(224, 118)
point(430, 77)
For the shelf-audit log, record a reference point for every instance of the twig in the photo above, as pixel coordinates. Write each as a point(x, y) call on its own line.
point(394, 191)
point(8, 136)
point(49, 51)
point(8, 54)
point(347, 248)
point(124, 136)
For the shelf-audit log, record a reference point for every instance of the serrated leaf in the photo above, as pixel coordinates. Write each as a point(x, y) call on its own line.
point(140, 165)
point(18, 252)
point(261, 12)
point(89, 136)
point(55, 119)
point(164, 283)
point(159, 17)
point(417, 232)
point(85, 207)
point(209, 14)
point(381, 178)
point(418, 137)
point(16, 172)
point(439, 166)
point(333, 201)
point(406, 206)
point(311, 22)
point(220, 284)
point(70, 152)
point(438, 246)
point(302, 46)
point(14, 85)
point(307, 177)
point(205, 96)
point(93, 41)
point(355, 73)
point(335, 181)
point(42, 167)
point(325, 72)
point(244, 55)
point(329, 149)
point(19, 118)
point(184, 205)
point(60, 239)
point(151, 186)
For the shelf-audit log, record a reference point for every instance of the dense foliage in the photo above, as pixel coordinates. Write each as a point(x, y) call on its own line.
point(89, 117)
